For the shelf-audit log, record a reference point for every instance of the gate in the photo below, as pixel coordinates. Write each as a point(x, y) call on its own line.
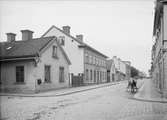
point(77, 80)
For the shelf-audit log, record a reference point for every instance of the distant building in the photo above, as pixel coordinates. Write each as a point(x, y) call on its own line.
point(111, 71)
point(128, 70)
point(122, 69)
point(159, 49)
point(88, 65)
point(32, 64)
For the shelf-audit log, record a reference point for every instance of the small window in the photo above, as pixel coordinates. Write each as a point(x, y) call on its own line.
point(47, 74)
point(94, 60)
point(94, 76)
point(19, 74)
point(62, 40)
point(61, 74)
point(54, 54)
point(86, 58)
point(87, 74)
point(91, 75)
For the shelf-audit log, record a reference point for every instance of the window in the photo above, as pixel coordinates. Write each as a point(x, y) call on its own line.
point(97, 76)
point(86, 58)
point(61, 74)
point(90, 58)
point(62, 40)
point(100, 76)
point(87, 74)
point(20, 74)
point(94, 61)
point(91, 75)
point(47, 74)
point(54, 54)
point(94, 76)
point(98, 62)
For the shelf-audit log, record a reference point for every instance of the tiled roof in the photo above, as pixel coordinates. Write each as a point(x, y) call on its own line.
point(80, 42)
point(20, 49)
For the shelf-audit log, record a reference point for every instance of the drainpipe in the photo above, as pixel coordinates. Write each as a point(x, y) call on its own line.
point(163, 54)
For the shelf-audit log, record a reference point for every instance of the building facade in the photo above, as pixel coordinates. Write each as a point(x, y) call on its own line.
point(122, 69)
point(95, 70)
point(88, 64)
point(33, 65)
point(128, 70)
point(159, 49)
point(111, 71)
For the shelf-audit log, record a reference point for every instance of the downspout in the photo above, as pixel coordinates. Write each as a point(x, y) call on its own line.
point(36, 61)
point(163, 77)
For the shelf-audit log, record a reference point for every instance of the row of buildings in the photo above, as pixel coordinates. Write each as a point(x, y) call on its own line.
point(159, 49)
point(55, 60)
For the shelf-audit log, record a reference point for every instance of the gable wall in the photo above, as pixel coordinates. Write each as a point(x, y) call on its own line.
point(74, 53)
point(47, 59)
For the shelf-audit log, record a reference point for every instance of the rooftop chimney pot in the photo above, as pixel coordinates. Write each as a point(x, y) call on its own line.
point(66, 29)
point(80, 37)
point(27, 35)
point(10, 37)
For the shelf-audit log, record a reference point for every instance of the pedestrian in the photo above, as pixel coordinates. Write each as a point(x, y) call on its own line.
point(134, 87)
point(129, 85)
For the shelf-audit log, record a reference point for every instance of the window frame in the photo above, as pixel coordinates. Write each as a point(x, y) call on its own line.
point(91, 75)
point(54, 51)
point(22, 74)
point(47, 81)
point(61, 74)
point(87, 74)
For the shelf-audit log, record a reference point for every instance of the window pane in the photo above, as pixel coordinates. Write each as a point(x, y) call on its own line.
point(19, 73)
point(61, 74)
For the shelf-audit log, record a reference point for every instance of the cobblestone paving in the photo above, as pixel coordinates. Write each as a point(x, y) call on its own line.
point(108, 103)
point(139, 110)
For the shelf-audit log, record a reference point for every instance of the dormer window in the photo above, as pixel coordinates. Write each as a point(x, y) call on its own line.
point(54, 54)
point(62, 40)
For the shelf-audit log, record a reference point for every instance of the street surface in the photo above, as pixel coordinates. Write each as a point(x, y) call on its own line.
point(106, 103)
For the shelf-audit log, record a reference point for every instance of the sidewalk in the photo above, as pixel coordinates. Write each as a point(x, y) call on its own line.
point(148, 93)
point(62, 92)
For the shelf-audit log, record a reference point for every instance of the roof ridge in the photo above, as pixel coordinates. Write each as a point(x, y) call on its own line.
point(29, 47)
point(26, 40)
point(82, 43)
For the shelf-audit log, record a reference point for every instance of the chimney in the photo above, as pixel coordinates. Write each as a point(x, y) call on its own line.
point(80, 37)
point(11, 37)
point(27, 34)
point(66, 29)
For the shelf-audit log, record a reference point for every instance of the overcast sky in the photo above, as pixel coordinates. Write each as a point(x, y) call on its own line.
point(120, 28)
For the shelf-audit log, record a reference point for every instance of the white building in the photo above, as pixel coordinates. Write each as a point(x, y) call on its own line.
point(88, 65)
point(122, 69)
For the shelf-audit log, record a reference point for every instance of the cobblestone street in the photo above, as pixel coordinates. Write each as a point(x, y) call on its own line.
point(106, 103)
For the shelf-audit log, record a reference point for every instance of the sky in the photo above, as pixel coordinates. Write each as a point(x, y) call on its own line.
point(121, 28)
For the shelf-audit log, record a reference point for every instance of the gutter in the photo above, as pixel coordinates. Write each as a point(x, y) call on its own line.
point(11, 59)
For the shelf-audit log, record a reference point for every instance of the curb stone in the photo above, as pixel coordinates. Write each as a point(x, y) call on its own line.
point(59, 94)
